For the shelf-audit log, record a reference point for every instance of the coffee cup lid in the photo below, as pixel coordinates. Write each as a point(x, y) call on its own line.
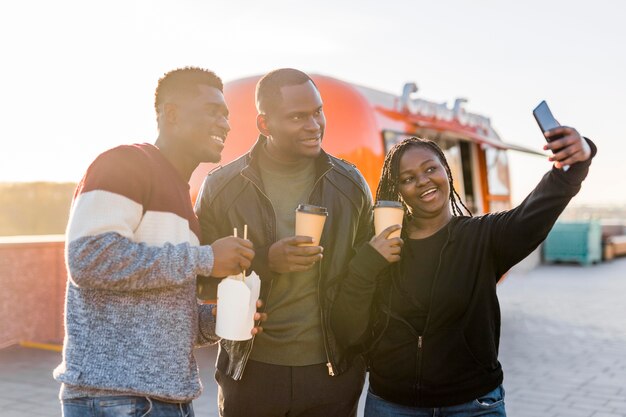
point(385, 203)
point(309, 208)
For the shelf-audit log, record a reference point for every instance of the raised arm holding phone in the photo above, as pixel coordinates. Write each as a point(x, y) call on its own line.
point(424, 308)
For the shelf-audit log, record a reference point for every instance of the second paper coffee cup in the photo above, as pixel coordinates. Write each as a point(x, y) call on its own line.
point(310, 221)
point(387, 213)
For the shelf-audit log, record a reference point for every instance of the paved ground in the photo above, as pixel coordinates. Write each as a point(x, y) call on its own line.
point(564, 341)
point(563, 349)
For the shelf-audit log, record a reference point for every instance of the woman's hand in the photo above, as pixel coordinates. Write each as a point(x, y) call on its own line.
point(388, 248)
point(571, 146)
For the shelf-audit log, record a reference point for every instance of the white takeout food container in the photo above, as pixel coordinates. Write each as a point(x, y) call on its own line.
point(236, 305)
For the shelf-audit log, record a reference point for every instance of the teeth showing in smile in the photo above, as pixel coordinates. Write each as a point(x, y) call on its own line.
point(218, 139)
point(315, 139)
point(428, 192)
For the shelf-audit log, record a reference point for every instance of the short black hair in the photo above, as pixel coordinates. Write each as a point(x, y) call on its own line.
point(268, 88)
point(184, 80)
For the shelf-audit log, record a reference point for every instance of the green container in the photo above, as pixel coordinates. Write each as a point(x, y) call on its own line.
point(574, 242)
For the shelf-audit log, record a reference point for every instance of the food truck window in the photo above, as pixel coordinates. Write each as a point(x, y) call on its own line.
point(497, 171)
point(452, 150)
point(391, 138)
point(468, 177)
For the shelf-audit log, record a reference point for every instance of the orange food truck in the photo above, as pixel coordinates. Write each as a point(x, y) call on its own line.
point(362, 124)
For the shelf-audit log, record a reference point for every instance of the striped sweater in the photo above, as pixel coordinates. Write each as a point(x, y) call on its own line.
point(132, 251)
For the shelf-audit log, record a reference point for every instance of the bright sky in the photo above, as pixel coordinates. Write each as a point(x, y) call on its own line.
point(78, 77)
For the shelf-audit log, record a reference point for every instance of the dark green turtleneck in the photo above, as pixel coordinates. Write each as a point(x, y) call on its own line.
point(292, 334)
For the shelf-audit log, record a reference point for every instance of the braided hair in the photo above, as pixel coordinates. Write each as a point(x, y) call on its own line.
point(388, 186)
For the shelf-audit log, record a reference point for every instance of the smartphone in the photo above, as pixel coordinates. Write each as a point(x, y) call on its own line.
point(546, 121)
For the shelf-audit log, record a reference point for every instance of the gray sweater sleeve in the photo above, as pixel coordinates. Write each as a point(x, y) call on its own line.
point(114, 262)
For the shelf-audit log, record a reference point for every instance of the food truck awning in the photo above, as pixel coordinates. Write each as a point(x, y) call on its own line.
point(418, 115)
point(478, 129)
point(487, 137)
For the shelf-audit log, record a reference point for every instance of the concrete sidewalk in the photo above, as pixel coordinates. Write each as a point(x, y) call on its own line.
point(563, 349)
point(563, 344)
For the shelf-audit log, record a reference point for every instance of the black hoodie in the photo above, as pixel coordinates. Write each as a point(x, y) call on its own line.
point(455, 359)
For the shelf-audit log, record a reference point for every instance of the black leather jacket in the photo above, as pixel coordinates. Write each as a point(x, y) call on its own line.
point(233, 195)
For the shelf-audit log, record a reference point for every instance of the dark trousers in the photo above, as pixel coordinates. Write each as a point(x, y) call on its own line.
point(294, 391)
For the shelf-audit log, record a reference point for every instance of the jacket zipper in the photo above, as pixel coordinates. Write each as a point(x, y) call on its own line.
point(329, 363)
point(420, 339)
point(246, 355)
point(248, 351)
point(418, 370)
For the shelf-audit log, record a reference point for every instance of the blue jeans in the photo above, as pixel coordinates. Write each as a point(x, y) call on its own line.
point(127, 406)
point(488, 405)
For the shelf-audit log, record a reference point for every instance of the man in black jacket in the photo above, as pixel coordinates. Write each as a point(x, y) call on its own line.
point(295, 367)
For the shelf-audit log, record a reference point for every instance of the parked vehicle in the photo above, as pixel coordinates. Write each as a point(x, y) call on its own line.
point(363, 123)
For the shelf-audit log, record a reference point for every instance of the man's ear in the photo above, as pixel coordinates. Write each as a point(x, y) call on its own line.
point(261, 124)
point(171, 113)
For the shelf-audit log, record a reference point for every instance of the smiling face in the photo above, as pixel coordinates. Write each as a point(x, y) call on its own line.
point(423, 184)
point(201, 124)
point(295, 124)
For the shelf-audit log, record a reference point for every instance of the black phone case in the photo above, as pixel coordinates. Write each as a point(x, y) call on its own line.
point(545, 119)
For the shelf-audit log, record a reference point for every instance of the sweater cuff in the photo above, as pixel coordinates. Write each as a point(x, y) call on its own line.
point(207, 324)
point(204, 260)
point(368, 262)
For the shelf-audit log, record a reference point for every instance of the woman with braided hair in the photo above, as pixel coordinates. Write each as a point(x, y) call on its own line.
point(423, 306)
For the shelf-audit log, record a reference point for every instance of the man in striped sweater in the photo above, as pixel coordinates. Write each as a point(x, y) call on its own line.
point(131, 315)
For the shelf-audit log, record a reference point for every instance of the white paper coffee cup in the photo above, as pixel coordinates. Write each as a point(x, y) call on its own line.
point(388, 213)
point(310, 221)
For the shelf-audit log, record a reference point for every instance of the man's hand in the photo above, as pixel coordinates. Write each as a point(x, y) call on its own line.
point(231, 255)
point(388, 248)
point(572, 147)
point(287, 256)
point(258, 318)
